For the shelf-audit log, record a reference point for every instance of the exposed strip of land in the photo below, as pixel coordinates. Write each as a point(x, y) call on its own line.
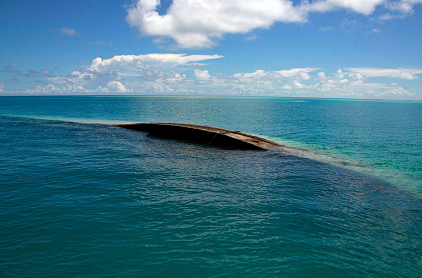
point(205, 134)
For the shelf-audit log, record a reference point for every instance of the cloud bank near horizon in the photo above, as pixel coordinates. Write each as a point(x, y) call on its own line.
point(200, 24)
point(180, 74)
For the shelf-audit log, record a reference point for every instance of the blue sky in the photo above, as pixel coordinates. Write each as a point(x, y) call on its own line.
point(368, 49)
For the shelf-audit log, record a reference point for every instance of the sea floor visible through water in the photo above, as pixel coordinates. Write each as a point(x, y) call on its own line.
point(82, 198)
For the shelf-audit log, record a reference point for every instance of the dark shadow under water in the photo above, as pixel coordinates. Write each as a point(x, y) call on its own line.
point(91, 200)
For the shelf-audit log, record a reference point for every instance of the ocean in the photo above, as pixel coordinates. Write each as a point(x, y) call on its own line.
point(82, 198)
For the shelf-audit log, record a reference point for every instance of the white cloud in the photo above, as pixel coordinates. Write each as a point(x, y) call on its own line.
point(301, 72)
point(140, 61)
point(68, 31)
point(357, 88)
point(267, 83)
point(391, 92)
point(127, 73)
point(183, 74)
point(199, 23)
point(256, 74)
point(291, 83)
point(304, 76)
point(50, 89)
point(365, 7)
point(403, 6)
point(409, 74)
point(117, 86)
point(174, 78)
point(398, 9)
point(202, 75)
point(196, 23)
point(149, 67)
point(356, 76)
point(297, 73)
point(98, 90)
point(297, 84)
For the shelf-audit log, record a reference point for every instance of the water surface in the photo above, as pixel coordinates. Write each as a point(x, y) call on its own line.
point(88, 200)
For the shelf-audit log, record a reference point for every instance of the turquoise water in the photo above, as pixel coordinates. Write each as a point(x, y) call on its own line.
point(85, 199)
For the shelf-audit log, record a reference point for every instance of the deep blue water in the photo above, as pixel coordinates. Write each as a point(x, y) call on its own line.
point(83, 199)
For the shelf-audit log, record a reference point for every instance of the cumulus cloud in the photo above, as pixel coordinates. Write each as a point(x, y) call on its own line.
point(50, 89)
point(181, 74)
point(149, 67)
point(201, 75)
point(256, 74)
point(173, 78)
point(122, 73)
point(409, 74)
point(196, 23)
point(297, 73)
point(301, 72)
point(199, 24)
point(294, 82)
point(117, 86)
point(353, 85)
point(142, 61)
point(287, 82)
point(297, 84)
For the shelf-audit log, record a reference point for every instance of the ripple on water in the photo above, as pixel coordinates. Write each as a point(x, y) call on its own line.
point(104, 201)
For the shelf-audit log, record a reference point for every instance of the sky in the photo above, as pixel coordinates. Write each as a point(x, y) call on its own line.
point(363, 49)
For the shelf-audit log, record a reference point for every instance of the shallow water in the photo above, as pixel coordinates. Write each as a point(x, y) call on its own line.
point(93, 200)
